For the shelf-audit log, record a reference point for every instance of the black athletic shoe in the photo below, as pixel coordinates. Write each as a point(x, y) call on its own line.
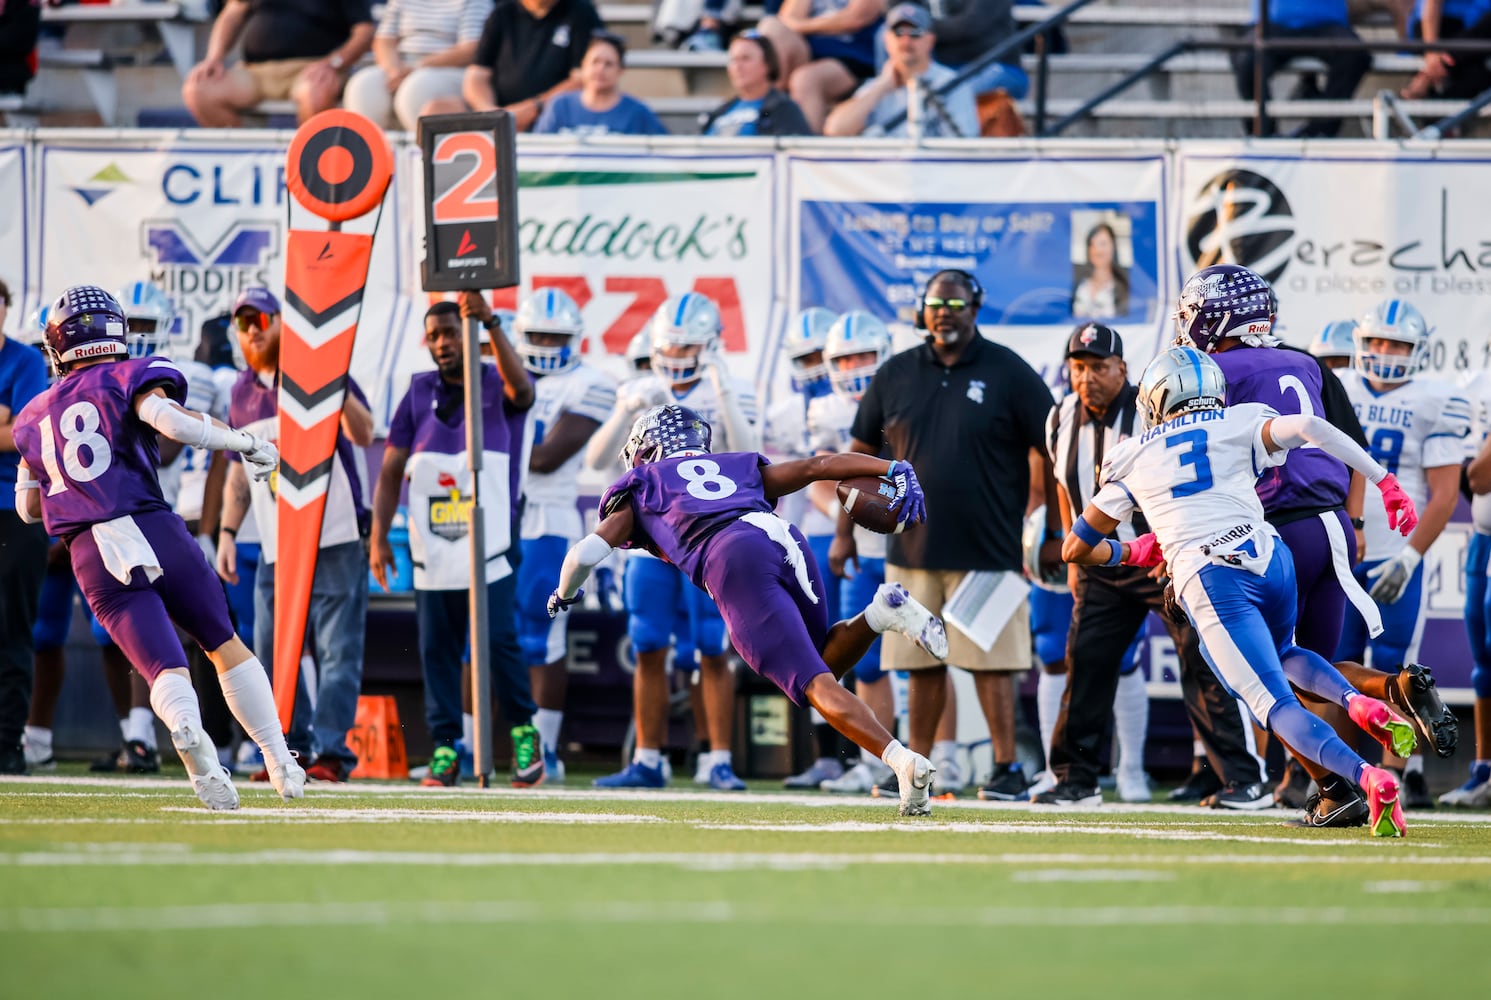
point(1416, 791)
point(1203, 781)
point(1007, 785)
point(1070, 794)
point(888, 787)
point(1294, 791)
point(12, 759)
point(108, 763)
point(139, 758)
point(1321, 812)
point(1248, 797)
point(1413, 693)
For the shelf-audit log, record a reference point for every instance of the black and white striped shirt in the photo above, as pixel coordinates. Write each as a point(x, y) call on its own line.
point(1078, 442)
point(424, 27)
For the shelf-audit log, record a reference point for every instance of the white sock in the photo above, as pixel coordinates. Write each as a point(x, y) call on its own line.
point(648, 757)
point(547, 721)
point(1049, 689)
point(468, 730)
point(176, 703)
point(124, 729)
point(718, 757)
point(1198, 749)
point(1415, 764)
point(39, 739)
point(895, 754)
point(246, 690)
point(141, 726)
point(945, 750)
point(1131, 721)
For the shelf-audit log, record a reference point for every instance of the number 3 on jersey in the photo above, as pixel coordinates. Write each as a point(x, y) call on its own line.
point(704, 479)
point(1194, 455)
point(80, 435)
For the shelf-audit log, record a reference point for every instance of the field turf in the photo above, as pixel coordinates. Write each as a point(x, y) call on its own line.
point(123, 888)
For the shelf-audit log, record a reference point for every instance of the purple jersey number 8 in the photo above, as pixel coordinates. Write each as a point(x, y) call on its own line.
point(704, 481)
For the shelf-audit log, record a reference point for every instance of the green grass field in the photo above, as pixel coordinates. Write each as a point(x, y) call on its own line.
point(119, 888)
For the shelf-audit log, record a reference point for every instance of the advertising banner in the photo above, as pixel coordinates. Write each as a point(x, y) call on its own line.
point(15, 236)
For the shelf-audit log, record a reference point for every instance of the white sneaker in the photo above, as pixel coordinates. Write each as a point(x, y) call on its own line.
point(288, 779)
point(702, 769)
point(858, 780)
point(1044, 782)
point(906, 615)
point(1133, 786)
point(950, 777)
point(915, 780)
point(1475, 793)
point(215, 789)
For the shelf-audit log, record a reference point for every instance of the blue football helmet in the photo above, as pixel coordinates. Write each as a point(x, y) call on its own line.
point(667, 431)
point(852, 334)
point(1337, 340)
point(1224, 300)
point(85, 322)
point(806, 335)
point(148, 315)
point(1180, 380)
point(1392, 319)
point(549, 311)
point(691, 320)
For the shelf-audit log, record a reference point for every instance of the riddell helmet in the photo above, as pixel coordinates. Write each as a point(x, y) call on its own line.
point(692, 320)
point(807, 334)
point(1180, 380)
point(667, 431)
point(1337, 340)
point(85, 322)
point(148, 315)
point(1392, 319)
point(549, 310)
point(1224, 300)
point(853, 333)
point(639, 352)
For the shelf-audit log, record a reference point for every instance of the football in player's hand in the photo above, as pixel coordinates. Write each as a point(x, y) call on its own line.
point(867, 500)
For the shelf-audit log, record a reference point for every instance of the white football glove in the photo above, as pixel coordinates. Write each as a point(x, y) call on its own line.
point(1392, 575)
point(643, 395)
point(262, 457)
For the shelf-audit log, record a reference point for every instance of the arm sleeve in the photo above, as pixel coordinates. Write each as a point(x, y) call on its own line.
point(191, 428)
point(25, 484)
point(1296, 430)
point(579, 561)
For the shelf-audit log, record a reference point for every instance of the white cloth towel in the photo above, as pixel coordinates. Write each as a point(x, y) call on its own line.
point(122, 546)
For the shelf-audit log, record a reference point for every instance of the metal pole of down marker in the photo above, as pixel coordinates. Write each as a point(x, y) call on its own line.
point(481, 652)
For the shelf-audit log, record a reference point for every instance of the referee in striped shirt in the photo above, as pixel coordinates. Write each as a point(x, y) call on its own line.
point(1111, 603)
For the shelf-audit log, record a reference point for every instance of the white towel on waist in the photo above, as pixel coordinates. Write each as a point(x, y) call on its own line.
point(779, 532)
point(122, 547)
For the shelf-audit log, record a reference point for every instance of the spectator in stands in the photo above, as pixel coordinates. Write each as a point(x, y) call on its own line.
point(885, 105)
point(966, 30)
point(23, 547)
point(1344, 68)
point(1101, 287)
point(301, 51)
point(758, 107)
point(20, 24)
point(599, 107)
point(530, 52)
point(339, 594)
point(827, 48)
point(421, 52)
point(1460, 76)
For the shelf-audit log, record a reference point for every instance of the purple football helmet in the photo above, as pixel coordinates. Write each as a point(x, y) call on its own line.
point(665, 432)
point(1224, 300)
point(85, 322)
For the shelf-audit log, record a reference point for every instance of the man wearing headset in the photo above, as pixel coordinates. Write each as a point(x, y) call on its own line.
point(969, 412)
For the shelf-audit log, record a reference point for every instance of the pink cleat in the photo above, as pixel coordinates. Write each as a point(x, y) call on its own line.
point(1379, 722)
point(1385, 814)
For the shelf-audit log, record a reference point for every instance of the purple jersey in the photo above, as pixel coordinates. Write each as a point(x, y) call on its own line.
point(681, 503)
point(1288, 381)
point(95, 459)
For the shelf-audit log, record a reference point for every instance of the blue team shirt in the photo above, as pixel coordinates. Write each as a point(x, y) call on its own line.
point(566, 114)
point(740, 120)
point(23, 377)
point(1304, 13)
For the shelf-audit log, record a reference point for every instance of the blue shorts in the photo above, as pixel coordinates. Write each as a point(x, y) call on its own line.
point(1050, 620)
point(1402, 625)
point(661, 604)
point(541, 637)
point(859, 591)
point(838, 602)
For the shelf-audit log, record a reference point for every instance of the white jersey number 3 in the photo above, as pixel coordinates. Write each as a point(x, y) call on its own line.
point(704, 479)
point(85, 452)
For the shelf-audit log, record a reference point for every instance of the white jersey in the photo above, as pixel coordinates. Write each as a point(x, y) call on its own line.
point(1193, 477)
point(703, 400)
point(787, 435)
point(1421, 424)
point(187, 475)
point(552, 496)
point(1476, 387)
point(829, 421)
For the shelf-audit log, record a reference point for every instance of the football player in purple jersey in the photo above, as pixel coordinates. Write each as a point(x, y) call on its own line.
point(712, 516)
point(88, 471)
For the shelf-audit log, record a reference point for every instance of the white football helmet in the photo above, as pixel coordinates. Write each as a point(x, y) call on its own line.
point(148, 315)
point(549, 311)
point(1337, 340)
point(1180, 380)
point(807, 334)
point(1392, 319)
point(690, 321)
point(854, 333)
point(1031, 537)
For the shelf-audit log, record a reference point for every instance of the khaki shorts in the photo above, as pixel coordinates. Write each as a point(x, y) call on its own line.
point(933, 587)
point(274, 79)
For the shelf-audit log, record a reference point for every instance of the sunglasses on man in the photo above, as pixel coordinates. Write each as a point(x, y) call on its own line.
point(249, 319)
point(907, 31)
point(956, 305)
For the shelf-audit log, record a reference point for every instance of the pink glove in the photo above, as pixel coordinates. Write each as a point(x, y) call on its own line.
point(1400, 513)
point(1144, 551)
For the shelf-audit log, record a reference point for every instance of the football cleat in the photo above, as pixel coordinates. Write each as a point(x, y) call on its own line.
point(1384, 813)
point(445, 769)
point(1242, 797)
point(950, 780)
point(288, 779)
point(553, 768)
point(1415, 793)
point(1321, 812)
point(1293, 792)
point(858, 780)
point(139, 757)
point(1201, 783)
point(823, 769)
point(215, 789)
point(914, 779)
point(528, 758)
point(1414, 695)
point(634, 775)
point(1475, 793)
point(1133, 786)
point(1071, 796)
point(722, 778)
point(1007, 785)
point(900, 612)
point(1379, 722)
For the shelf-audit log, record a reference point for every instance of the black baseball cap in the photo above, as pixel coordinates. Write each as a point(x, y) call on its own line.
point(1095, 339)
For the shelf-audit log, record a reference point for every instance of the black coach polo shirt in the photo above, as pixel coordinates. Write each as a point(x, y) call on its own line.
point(968, 431)
point(528, 56)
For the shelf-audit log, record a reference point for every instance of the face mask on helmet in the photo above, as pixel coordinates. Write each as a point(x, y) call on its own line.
point(803, 344)
point(1180, 380)
point(84, 323)
point(548, 316)
point(685, 338)
point(148, 315)
point(1221, 301)
point(668, 431)
point(1399, 322)
point(857, 345)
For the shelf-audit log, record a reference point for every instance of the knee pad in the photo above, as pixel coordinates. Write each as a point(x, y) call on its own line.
point(648, 630)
